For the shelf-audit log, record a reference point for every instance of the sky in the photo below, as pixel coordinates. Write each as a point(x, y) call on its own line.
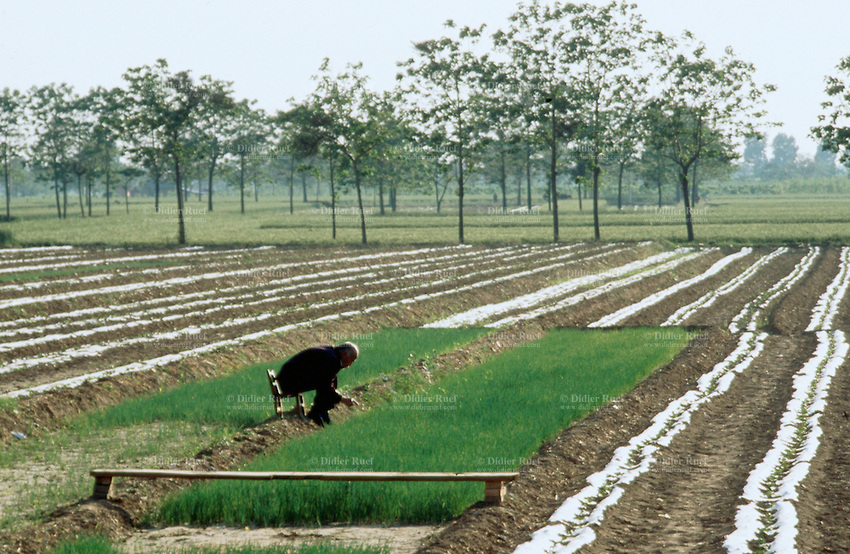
point(270, 48)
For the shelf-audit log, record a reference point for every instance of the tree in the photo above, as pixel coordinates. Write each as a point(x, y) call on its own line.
point(703, 106)
point(784, 154)
point(12, 120)
point(604, 46)
point(167, 110)
point(142, 132)
point(106, 132)
point(248, 142)
point(755, 157)
point(216, 113)
point(536, 41)
point(833, 129)
point(50, 106)
point(348, 122)
point(439, 83)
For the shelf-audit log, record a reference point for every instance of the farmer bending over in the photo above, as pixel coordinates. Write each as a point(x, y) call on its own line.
point(315, 369)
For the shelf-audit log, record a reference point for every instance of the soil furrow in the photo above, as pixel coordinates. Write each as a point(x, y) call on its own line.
point(687, 502)
point(823, 508)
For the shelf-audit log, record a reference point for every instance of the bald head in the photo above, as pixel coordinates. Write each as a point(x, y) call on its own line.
point(348, 352)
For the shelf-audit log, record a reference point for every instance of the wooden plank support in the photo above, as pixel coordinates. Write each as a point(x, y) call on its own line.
point(101, 486)
point(494, 491)
point(494, 483)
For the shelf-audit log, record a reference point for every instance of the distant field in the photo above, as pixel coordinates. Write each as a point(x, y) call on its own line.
point(719, 220)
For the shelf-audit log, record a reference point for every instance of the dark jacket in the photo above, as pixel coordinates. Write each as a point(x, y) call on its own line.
point(312, 369)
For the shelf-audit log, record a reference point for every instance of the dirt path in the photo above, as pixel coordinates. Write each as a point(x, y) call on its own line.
point(687, 502)
point(400, 539)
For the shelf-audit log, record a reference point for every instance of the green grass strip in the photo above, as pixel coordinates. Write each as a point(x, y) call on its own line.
point(243, 399)
point(490, 417)
point(101, 545)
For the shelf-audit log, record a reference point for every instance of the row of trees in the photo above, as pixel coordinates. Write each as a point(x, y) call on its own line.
point(785, 161)
point(591, 84)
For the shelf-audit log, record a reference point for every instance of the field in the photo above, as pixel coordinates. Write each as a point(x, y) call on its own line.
point(717, 220)
point(143, 358)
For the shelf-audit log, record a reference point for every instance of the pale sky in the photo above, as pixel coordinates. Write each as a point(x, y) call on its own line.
point(270, 48)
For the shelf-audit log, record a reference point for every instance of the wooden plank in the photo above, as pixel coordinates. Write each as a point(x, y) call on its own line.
point(305, 475)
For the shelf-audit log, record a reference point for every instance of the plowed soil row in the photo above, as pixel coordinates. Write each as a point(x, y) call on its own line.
point(565, 463)
point(687, 502)
point(41, 410)
point(130, 499)
point(50, 372)
point(584, 448)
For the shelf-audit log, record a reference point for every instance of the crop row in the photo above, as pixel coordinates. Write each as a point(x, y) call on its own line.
point(571, 526)
point(480, 419)
point(153, 362)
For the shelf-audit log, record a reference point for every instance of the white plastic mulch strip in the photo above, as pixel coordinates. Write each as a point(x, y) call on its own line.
point(767, 522)
point(179, 302)
point(91, 350)
point(96, 277)
point(572, 525)
point(652, 299)
point(481, 313)
point(747, 319)
point(4, 251)
point(683, 313)
point(827, 306)
point(195, 278)
point(161, 360)
point(102, 261)
point(598, 291)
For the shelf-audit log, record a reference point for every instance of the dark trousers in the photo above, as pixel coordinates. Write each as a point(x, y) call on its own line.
point(325, 401)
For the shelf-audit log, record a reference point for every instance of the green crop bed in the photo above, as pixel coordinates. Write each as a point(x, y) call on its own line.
point(243, 399)
point(490, 417)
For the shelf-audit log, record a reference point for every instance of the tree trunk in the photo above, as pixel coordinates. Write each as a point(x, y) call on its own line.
point(291, 185)
point(156, 193)
point(579, 190)
point(127, 196)
point(181, 229)
point(108, 191)
point(528, 173)
point(519, 188)
point(6, 179)
point(80, 194)
point(460, 194)
point(242, 182)
point(596, 172)
point(694, 187)
point(659, 194)
point(65, 198)
point(620, 187)
point(381, 193)
point(683, 176)
point(503, 182)
point(360, 200)
point(437, 185)
point(304, 186)
point(553, 188)
point(58, 204)
point(210, 184)
point(333, 199)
